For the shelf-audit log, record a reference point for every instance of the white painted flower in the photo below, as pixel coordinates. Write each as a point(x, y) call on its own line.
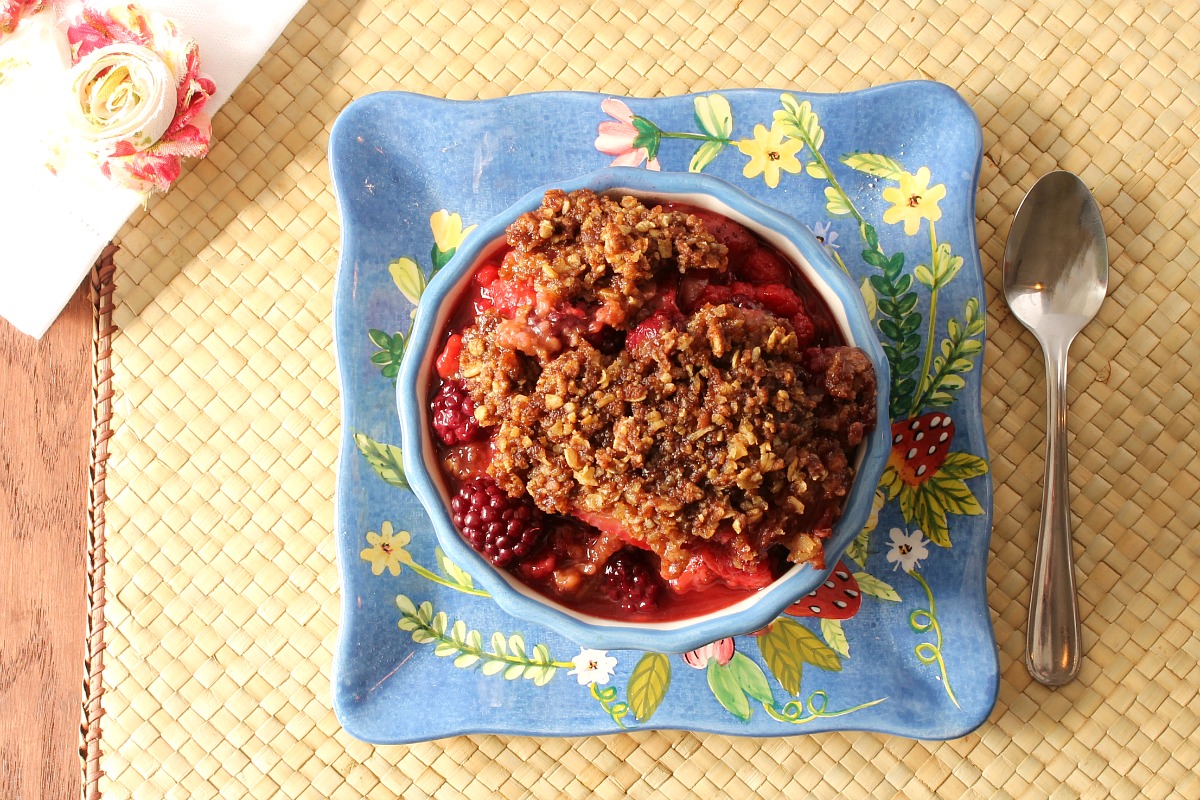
point(908, 549)
point(593, 666)
point(826, 235)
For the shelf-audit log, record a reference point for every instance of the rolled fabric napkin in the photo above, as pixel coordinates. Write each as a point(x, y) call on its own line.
point(123, 93)
point(53, 225)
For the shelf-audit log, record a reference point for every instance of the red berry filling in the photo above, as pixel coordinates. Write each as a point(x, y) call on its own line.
point(453, 416)
point(592, 561)
point(504, 529)
point(631, 582)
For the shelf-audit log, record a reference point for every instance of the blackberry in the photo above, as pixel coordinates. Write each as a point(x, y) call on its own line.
point(631, 582)
point(504, 529)
point(454, 415)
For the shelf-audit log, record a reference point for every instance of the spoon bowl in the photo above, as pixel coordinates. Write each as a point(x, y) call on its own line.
point(1055, 279)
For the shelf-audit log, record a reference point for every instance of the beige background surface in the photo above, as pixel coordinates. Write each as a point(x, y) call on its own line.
point(222, 587)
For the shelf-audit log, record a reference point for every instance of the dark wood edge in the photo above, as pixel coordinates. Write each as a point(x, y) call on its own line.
point(100, 284)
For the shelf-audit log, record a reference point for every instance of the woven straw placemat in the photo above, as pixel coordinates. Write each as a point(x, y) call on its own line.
point(222, 593)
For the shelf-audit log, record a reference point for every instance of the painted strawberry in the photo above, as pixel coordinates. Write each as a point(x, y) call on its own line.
point(920, 445)
point(837, 598)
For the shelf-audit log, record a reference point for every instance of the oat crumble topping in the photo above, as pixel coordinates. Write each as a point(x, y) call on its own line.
point(715, 426)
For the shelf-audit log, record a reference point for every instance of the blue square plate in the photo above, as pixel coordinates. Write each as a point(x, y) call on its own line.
point(900, 640)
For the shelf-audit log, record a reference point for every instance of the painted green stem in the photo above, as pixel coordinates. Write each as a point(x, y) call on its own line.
point(923, 620)
point(699, 137)
point(487, 655)
point(837, 186)
point(796, 713)
point(926, 380)
point(438, 579)
point(607, 698)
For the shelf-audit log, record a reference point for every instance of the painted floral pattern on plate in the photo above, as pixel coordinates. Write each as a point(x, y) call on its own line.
point(932, 333)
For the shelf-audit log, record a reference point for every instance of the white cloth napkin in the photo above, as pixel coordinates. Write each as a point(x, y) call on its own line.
point(53, 227)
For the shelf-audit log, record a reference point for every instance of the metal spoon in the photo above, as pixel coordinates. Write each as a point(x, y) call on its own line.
point(1055, 278)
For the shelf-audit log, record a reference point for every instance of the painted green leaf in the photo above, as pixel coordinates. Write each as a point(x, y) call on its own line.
point(836, 203)
point(953, 382)
point(869, 297)
point(406, 605)
point(876, 164)
point(790, 641)
point(380, 338)
point(704, 155)
point(889, 328)
point(869, 235)
point(953, 495)
point(492, 667)
point(457, 575)
point(727, 690)
point(444, 649)
point(891, 483)
point(751, 678)
point(923, 275)
point(857, 551)
point(499, 644)
point(963, 465)
point(713, 116)
point(970, 347)
point(516, 645)
point(945, 265)
point(876, 259)
point(390, 353)
point(440, 257)
point(648, 684)
point(425, 612)
point(387, 460)
point(869, 584)
point(923, 507)
point(815, 169)
point(466, 660)
point(835, 637)
point(408, 278)
point(514, 671)
point(800, 122)
point(782, 658)
point(649, 136)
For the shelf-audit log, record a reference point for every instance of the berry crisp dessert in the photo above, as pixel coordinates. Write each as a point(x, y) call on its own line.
point(644, 411)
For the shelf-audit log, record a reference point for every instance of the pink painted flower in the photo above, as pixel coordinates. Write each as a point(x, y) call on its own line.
point(721, 650)
point(11, 12)
point(632, 139)
point(139, 94)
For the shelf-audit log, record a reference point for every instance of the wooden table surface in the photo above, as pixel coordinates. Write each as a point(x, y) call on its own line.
point(45, 431)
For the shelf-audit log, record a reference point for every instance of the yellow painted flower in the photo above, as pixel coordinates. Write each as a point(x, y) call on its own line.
point(913, 201)
point(769, 154)
point(387, 550)
point(448, 231)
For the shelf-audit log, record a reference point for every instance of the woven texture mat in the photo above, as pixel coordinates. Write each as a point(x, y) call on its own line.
point(222, 593)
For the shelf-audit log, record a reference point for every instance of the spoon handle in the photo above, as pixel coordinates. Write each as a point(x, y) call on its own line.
point(1053, 648)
